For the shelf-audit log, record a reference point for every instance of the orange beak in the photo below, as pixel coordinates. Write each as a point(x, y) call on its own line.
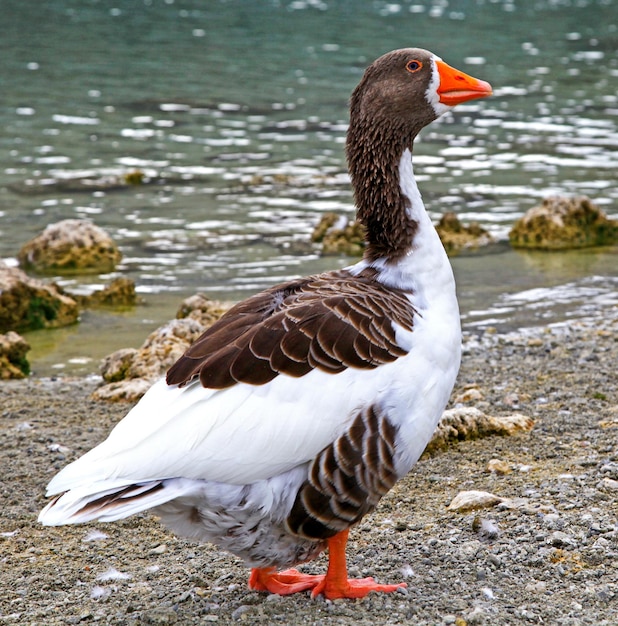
point(457, 87)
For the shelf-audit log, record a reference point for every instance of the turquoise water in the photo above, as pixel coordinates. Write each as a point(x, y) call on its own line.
point(236, 112)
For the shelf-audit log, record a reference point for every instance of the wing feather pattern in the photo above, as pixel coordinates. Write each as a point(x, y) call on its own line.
point(330, 321)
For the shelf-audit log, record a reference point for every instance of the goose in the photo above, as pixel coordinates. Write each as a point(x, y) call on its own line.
point(289, 419)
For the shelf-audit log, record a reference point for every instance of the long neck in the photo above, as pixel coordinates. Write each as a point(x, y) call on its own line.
point(424, 270)
point(374, 159)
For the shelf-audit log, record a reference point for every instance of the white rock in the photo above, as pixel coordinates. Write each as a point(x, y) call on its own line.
point(488, 593)
point(470, 500)
point(609, 484)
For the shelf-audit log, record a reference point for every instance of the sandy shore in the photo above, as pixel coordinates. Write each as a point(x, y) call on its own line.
point(548, 554)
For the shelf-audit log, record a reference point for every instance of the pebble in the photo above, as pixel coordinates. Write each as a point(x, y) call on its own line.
point(241, 612)
point(161, 616)
point(610, 468)
point(511, 399)
point(536, 587)
point(476, 616)
point(273, 597)
point(496, 466)
point(553, 520)
point(473, 394)
point(609, 483)
point(561, 539)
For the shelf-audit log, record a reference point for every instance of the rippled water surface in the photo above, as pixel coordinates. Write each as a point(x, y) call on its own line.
point(236, 113)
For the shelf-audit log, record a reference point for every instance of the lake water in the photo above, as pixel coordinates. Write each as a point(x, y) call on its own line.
point(236, 112)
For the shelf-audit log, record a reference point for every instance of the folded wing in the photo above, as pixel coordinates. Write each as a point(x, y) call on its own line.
point(329, 322)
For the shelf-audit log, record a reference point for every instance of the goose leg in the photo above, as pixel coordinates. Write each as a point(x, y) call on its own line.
point(332, 585)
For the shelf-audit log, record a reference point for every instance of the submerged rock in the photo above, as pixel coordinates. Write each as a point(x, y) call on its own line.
point(338, 235)
point(560, 223)
point(70, 247)
point(456, 237)
point(13, 362)
point(119, 293)
point(129, 373)
point(30, 304)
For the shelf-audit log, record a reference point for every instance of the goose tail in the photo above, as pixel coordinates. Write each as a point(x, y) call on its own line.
point(109, 503)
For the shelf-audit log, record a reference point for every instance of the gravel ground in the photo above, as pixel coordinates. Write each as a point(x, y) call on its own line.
point(547, 555)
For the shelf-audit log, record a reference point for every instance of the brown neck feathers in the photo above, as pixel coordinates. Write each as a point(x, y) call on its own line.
point(373, 161)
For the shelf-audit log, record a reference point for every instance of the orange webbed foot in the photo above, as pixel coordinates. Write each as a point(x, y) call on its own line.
point(333, 585)
point(282, 583)
point(351, 588)
point(292, 581)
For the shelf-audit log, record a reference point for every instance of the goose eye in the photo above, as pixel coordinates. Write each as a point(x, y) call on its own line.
point(413, 66)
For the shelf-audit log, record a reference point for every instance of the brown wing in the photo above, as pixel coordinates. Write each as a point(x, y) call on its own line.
point(331, 321)
point(347, 478)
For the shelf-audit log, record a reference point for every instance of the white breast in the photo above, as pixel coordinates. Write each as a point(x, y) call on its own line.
point(428, 372)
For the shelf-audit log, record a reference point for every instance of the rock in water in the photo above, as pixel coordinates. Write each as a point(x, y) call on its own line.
point(70, 247)
point(456, 237)
point(29, 304)
point(560, 223)
point(338, 235)
point(119, 293)
point(202, 309)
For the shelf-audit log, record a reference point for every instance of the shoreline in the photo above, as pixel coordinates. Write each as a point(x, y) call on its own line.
point(547, 554)
point(539, 289)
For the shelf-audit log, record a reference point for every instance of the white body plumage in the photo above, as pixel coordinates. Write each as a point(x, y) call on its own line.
point(239, 455)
